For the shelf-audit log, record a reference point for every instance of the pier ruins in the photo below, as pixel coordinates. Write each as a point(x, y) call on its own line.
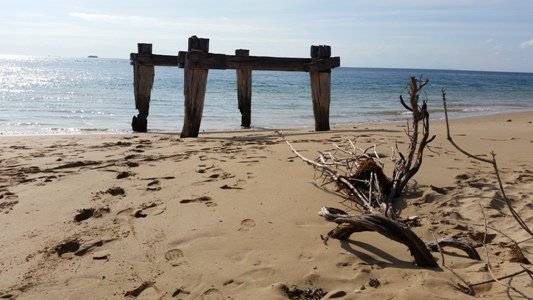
point(196, 63)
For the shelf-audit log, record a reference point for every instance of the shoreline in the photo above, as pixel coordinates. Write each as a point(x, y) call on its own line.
point(234, 214)
point(106, 132)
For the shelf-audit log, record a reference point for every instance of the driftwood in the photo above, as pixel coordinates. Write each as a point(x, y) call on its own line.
point(358, 175)
point(407, 167)
point(387, 227)
point(327, 168)
point(454, 243)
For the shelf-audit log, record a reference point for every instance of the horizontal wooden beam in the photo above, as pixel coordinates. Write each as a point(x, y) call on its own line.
point(154, 59)
point(201, 60)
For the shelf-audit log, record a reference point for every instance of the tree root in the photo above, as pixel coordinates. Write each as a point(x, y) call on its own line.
point(387, 227)
point(454, 243)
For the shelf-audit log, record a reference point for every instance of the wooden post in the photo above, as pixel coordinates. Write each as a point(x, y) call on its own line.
point(244, 91)
point(143, 80)
point(321, 89)
point(195, 81)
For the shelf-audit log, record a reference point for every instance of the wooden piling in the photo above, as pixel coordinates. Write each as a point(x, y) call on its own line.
point(244, 91)
point(195, 82)
point(321, 88)
point(196, 63)
point(143, 79)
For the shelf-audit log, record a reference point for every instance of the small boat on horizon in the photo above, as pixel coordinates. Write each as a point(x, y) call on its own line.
point(92, 56)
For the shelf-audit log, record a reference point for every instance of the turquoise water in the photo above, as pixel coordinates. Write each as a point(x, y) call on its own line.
point(41, 95)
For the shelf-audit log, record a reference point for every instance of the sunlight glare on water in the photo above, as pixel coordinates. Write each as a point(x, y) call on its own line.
point(41, 95)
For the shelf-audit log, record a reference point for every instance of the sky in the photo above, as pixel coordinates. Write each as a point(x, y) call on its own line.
point(492, 35)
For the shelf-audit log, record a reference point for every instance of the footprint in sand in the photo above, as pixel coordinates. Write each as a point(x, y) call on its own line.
point(147, 289)
point(132, 164)
point(180, 291)
point(7, 195)
point(67, 247)
point(50, 178)
point(86, 213)
point(204, 199)
point(9, 202)
point(219, 176)
point(203, 168)
point(212, 294)
point(174, 257)
point(462, 177)
point(258, 274)
point(90, 247)
point(153, 185)
point(82, 282)
point(124, 216)
point(247, 225)
point(344, 263)
point(150, 209)
point(115, 191)
point(305, 256)
point(232, 282)
point(124, 174)
point(228, 187)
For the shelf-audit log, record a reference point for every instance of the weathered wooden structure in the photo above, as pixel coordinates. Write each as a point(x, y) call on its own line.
point(196, 63)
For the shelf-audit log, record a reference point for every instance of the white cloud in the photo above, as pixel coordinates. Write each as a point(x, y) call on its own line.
point(527, 43)
point(212, 24)
point(116, 19)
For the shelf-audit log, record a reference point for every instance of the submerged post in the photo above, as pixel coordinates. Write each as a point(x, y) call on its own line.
point(321, 88)
point(143, 79)
point(194, 87)
point(244, 91)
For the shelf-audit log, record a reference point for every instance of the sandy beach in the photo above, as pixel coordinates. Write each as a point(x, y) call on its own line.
point(234, 215)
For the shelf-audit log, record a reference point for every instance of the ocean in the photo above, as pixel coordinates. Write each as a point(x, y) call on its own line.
point(52, 95)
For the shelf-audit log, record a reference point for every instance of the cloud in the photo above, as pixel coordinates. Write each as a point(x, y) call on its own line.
point(527, 43)
point(116, 19)
point(187, 24)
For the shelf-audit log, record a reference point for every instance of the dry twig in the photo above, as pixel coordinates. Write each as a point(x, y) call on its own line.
point(500, 278)
point(467, 288)
point(495, 279)
point(328, 169)
point(419, 138)
point(515, 215)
